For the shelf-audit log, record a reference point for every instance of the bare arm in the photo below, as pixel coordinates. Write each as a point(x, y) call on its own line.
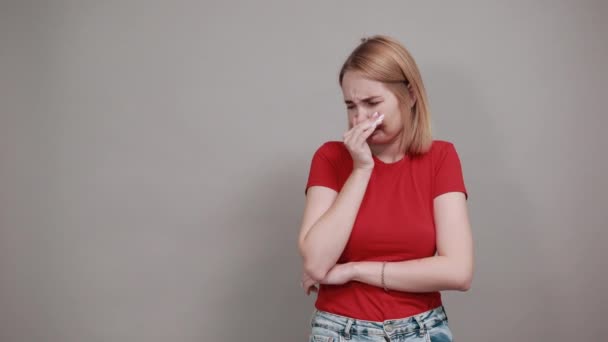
point(328, 220)
point(329, 216)
point(450, 269)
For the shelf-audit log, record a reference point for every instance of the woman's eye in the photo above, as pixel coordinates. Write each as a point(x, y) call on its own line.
point(368, 103)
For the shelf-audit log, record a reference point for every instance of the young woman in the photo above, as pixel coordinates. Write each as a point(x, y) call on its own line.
point(385, 226)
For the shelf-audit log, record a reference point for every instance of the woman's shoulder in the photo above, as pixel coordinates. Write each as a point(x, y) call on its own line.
point(333, 149)
point(439, 144)
point(443, 152)
point(337, 150)
point(439, 149)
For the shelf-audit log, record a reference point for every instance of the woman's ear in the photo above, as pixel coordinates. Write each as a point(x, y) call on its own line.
point(412, 95)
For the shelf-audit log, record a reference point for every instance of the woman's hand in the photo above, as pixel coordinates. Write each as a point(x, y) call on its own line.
point(308, 284)
point(356, 142)
point(337, 275)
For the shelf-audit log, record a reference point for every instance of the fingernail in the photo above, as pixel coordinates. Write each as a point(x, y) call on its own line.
point(375, 114)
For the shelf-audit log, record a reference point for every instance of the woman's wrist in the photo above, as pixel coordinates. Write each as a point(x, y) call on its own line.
point(366, 271)
point(354, 271)
point(363, 172)
point(358, 269)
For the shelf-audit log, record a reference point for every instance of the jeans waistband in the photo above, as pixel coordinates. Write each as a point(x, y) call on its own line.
point(347, 326)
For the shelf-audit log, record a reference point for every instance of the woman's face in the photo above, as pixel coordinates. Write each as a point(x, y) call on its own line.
point(363, 97)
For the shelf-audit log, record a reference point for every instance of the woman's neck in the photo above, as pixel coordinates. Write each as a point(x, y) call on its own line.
point(388, 153)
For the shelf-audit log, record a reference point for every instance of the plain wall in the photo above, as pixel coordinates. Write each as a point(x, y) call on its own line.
point(153, 158)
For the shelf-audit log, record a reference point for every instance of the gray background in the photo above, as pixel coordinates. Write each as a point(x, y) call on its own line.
point(153, 157)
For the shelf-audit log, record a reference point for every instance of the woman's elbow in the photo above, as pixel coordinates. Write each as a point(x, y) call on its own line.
point(311, 267)
point(316, 272)
point(464, 285)
point(464, 280)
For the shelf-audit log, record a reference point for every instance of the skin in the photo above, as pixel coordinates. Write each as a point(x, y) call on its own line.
point(452, 267)
point(362, 98)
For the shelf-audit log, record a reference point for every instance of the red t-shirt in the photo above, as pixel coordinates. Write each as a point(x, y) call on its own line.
point(394, 223)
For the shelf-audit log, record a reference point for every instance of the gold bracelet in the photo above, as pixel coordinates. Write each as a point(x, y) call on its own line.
point(382, 276)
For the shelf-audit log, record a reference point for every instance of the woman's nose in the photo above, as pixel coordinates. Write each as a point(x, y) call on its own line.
point(361, 116)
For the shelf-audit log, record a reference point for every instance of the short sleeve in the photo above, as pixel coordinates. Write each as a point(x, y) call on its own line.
point(323, 169)
point(448, 173)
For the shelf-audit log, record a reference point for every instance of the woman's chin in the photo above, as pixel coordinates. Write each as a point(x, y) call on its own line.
point(376, 136)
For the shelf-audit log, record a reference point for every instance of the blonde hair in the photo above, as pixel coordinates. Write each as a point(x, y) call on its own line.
point(384, 59)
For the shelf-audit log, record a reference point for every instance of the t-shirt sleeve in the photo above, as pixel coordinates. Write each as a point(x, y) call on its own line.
point(448, 173)
point(323, 170)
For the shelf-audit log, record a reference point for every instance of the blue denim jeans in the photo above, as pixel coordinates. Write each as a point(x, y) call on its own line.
point(429, 326)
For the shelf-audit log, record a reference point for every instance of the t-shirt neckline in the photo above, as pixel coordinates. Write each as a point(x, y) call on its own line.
point(378, 161)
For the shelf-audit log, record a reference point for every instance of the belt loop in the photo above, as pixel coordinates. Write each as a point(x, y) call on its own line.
point(421, 325)
point(312, 316)
point(349, 324)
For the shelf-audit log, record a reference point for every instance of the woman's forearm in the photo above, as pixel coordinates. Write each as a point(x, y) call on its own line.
point(429, 274)
point(326, 239)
